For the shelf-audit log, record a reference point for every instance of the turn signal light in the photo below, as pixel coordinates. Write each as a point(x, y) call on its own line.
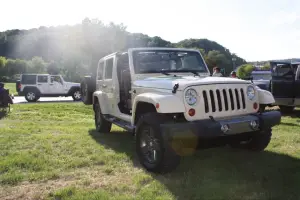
point(192, 112)
point(157, 105)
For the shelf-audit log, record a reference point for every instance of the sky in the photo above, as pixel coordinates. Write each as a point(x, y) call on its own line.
point(254, 30)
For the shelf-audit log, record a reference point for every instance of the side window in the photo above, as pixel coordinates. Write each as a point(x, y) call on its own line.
point(100, 71)
point(43, 79)
point(109, 68)
point(28, 79)
point(56, 79)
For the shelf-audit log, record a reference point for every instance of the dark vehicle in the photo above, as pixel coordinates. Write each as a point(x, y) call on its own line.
point(285, 83)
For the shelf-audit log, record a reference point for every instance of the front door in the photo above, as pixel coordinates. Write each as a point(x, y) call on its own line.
point(56, 85)
point(282, 84)
point(43, 84)
point(107, 84)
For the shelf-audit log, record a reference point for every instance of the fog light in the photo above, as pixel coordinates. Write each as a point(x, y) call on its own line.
point(225, 128)
point(254, 125)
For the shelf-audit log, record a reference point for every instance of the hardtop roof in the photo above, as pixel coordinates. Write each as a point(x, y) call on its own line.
point(286, 61)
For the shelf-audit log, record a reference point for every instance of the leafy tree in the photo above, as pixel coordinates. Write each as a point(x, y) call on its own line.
point(37, 65)
point(52, 68)
point(216, 58)
point(244, 71)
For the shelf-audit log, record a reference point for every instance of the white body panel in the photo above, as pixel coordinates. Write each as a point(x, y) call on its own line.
point(265, 97)
point(156, 89)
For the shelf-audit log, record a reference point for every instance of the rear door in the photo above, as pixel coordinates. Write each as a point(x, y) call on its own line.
point(43, 84)
point(107, 83)
point(283, 81)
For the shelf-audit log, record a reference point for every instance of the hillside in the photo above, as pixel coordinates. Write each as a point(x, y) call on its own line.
point(77, 48)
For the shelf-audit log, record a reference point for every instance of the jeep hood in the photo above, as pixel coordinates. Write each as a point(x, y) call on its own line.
point(168, 82)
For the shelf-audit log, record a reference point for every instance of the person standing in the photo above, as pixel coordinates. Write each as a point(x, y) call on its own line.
point(217, 72)
point(233, 74)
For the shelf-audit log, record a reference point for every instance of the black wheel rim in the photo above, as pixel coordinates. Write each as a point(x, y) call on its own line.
point(149, 145)
point(97, 116)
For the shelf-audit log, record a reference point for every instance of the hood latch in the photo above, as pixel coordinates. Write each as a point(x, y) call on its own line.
point(176, 86)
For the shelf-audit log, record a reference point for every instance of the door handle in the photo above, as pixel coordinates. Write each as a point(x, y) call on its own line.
point(104, 86)
point(51, 84)
point(39, 84)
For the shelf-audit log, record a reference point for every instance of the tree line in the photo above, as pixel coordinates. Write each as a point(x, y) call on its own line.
point(75, 50)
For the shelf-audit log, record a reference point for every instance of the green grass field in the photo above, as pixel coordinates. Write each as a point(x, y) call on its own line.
point(51, 151)
point(12, 88)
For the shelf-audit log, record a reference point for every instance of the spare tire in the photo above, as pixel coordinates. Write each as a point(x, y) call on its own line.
point(88, 86)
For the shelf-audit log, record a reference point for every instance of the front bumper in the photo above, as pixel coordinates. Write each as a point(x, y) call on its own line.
point(210, 128)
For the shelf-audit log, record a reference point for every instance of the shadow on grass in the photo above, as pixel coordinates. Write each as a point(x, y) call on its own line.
point(294, 114)
point(290, 124)
point(221, 173)
point(59, 101)
point(3, 112)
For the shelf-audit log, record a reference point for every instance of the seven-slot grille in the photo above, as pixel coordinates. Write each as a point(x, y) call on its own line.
point(219, 100)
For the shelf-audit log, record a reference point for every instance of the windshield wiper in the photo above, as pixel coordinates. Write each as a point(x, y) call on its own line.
point(164, 72)
point(195, 72)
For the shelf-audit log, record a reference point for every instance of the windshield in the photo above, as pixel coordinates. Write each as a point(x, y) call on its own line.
point(281, 69)
point(156, 61)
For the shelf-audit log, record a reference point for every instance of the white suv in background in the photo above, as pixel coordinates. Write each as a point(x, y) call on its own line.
point(34, 86)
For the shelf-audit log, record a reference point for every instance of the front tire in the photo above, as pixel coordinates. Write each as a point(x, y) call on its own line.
point(101, 124)
point(258, 142)
point(154, 153)
point(31, 96)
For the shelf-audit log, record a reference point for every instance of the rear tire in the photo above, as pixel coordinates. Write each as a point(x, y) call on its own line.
point(258, 142)
point(149, 140)
point(101, 124)
point(76, 95)
point(31, 96)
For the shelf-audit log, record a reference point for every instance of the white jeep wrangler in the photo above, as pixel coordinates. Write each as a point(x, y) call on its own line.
point(168, 99)
point(34, 86)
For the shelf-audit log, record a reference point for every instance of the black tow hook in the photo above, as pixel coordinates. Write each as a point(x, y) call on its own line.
point(212, 119)
point(176, 86)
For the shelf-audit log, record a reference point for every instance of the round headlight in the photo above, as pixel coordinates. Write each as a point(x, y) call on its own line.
point(191, 97)
point(250, 92)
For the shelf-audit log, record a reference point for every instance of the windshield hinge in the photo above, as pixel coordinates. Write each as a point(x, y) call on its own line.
point(176, 86)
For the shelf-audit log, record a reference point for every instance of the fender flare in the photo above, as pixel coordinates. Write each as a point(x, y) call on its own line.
point(265, 97)
point(72, 89)
point(31, 88)
point(102, 98)
point(164, 103)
